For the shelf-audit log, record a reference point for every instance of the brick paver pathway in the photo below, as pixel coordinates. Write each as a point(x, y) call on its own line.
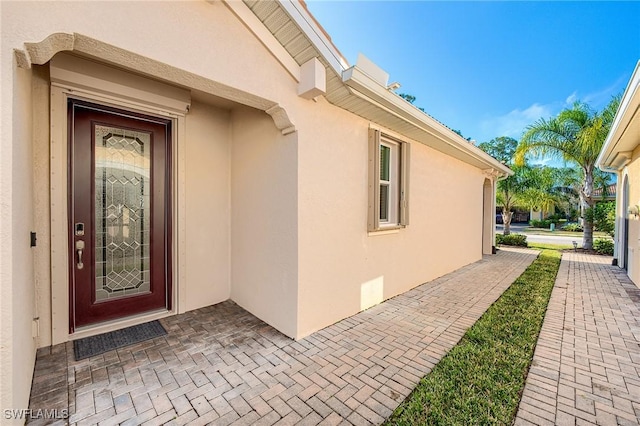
point(221, 365)
point(586, 367)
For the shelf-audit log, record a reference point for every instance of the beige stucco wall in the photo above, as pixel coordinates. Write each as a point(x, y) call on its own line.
point(342, 269)
point(41, 204)
point(17, 289)
point(192, 36)
point(264, 223)
point(208, 209)
point(633, 173)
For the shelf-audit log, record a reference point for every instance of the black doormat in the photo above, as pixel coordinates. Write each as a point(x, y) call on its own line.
point(96, 345)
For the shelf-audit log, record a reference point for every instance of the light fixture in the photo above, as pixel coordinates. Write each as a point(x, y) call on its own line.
point(575, 246)
point(634, 210)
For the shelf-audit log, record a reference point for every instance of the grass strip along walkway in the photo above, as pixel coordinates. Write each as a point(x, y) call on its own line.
point(481, 379)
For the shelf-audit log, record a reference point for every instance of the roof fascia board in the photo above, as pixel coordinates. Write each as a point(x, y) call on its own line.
point(268, 40)
point(322, 44)
point(625, 112)
point(376, 94)
point(465, 156)
point(363, 86)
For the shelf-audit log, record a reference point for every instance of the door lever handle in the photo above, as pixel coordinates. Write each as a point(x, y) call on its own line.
point(79, 250)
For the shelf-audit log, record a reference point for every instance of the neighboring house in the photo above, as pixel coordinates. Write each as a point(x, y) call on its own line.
point(173, 155)
point(621, 155)
point(609, 193)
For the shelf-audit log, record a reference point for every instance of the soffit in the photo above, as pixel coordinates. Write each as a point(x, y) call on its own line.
point(293, 39)
point(411, 122)
point(624, 135)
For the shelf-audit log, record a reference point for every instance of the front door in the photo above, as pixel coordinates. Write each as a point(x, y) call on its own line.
point(119, 214)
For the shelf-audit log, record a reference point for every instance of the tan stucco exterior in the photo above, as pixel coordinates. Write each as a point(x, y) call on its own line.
point(264, 224)
point(208, 211)
point(343, 268)
point(632, 174)
point(621, 155)
point(270, 188)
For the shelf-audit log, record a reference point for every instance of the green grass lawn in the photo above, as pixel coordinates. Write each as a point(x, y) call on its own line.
point(480, 380)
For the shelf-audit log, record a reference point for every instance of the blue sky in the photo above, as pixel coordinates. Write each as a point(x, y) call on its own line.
point(490, 69)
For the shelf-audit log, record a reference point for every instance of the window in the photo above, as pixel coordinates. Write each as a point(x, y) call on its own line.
point(388, 182)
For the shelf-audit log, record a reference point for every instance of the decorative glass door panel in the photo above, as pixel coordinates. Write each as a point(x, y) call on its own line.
point(122, 186)
point(120, 221)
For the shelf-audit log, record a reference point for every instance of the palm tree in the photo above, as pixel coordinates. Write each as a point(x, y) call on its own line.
point(539, 200)
point(528, 187)
point(601, 181)
point(502, 149)
point(569, 183)
point(507, 196)
point(576, 135)
point(540, 189)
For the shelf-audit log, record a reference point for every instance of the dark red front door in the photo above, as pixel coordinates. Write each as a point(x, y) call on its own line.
point(120, 221)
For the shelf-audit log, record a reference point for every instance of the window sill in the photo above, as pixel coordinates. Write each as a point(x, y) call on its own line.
point(385, 231)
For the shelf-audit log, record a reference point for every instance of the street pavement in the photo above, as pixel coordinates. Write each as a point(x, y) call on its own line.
point(520, 228)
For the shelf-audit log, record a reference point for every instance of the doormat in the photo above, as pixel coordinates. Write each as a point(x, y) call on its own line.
point(96, 345)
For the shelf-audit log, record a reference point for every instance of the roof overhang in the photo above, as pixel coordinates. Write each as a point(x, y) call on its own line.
point(624, 135)
point(354, 90)
point(394, 112)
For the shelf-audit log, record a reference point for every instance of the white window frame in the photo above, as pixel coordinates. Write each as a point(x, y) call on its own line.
point(397, 213)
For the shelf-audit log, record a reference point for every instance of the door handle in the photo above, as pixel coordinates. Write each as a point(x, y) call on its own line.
point(79, 250)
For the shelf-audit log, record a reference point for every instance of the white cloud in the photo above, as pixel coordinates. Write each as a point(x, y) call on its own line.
point(514, 122)
point(599, 98)
point(602, 97)
point(571, 98)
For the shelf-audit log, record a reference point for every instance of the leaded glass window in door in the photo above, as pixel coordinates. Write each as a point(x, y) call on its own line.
point(122, 212)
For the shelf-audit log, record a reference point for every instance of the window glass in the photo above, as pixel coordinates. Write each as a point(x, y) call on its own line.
point(385, 154)
point(384, 203)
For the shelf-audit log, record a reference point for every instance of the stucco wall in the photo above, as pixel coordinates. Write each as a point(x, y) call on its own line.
point(342, 268)
point(264, 221)
point(17, 297)
point(199, 37)
point(207, 192)
point(633, 171)
point(41, 203)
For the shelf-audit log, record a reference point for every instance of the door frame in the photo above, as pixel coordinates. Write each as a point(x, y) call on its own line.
point(160, 210)
point(60, 213)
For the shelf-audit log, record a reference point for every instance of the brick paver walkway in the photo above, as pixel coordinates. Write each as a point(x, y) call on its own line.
point(586, 367)
point(221, 365)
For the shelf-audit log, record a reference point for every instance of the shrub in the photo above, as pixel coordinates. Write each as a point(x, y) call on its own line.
point(603, 246)
point(512, 240)
point(603, 216)
point(555, 218)
point(546, 223)
point(540, 223)
point(573, 227)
